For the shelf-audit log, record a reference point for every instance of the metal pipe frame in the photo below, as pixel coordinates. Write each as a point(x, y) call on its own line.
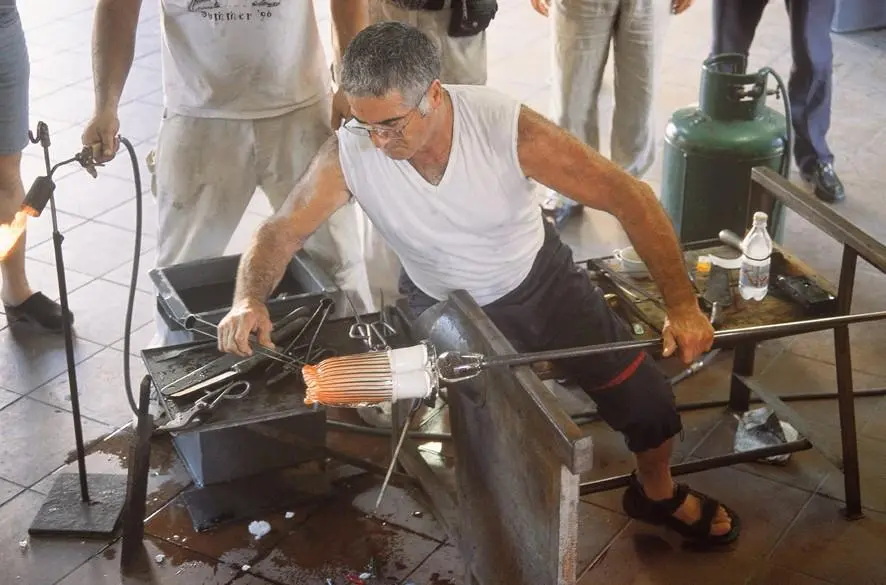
point(767, 189)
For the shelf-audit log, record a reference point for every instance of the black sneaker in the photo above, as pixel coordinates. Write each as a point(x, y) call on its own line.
point(828, 186)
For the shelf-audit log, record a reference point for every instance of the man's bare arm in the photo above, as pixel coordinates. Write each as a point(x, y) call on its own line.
point(113, 47)
point(560, 161)
point(348, 18)
point(320, 192)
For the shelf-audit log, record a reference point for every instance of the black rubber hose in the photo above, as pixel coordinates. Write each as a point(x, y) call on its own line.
point(127, 329)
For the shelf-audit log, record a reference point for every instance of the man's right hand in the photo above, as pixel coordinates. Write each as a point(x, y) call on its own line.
point(101, 135)
point(245, 317)
point(543, 7)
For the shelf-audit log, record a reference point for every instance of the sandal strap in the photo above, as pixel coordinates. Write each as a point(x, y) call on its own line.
point(671, 505)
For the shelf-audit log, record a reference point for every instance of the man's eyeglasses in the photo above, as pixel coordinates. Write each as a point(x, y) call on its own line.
point(393, 130)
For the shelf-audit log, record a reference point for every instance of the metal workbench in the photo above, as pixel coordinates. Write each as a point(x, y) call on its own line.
point(518, 454)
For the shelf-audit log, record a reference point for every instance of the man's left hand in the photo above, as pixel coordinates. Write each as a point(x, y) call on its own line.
point(688, 331)
point(341, 109)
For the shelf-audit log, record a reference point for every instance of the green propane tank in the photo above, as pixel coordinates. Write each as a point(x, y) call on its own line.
point(710, 149)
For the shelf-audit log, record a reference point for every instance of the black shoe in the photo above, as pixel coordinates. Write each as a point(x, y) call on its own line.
point(38, 310)
point(828, 186)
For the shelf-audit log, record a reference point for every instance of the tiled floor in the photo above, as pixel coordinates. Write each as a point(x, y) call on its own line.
point(793, 530)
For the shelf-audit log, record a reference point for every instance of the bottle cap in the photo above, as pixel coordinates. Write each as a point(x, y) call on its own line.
point(760, 217)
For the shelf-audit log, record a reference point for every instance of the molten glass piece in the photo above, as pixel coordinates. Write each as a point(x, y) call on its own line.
point(370, 378)
point(11, 233)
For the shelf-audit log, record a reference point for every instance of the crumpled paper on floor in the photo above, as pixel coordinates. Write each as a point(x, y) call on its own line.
point(761, 428)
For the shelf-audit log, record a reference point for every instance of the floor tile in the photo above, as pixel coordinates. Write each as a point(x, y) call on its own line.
point(823, 544)
point(64, 66)
point(43, 277)
point(40, 228)
point(7, 398)
point(400, 508)
point(179, 566)
point(123, 274)
point(865, 356)
point(139, 339)
point(101, 389)
point(83, 195)
point(124, 216)
point(443, 567)
point(597, 527)
point(38, 438)
point(31, 358)
point(771, 575)
point(339, 539)
point(43, 561)
point(81, 243)
point(74, 107)
point(8, 490)
point(100, 307)
point(166, 479)
point(231, 543)
point(873, 474)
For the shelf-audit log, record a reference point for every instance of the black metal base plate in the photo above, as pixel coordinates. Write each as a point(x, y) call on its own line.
point(65, 514)
point(255, 496)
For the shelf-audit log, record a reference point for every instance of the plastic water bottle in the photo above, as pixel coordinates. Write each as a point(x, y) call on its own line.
point(756, 249)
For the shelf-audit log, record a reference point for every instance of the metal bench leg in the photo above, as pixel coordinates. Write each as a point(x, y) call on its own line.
point(846, 399)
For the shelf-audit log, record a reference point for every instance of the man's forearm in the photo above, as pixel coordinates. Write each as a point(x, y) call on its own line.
point(113, 47)
point(654, 239)
point(348, 18)
point(264, 263)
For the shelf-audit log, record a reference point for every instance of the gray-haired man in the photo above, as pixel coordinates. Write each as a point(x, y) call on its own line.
point(447, 174)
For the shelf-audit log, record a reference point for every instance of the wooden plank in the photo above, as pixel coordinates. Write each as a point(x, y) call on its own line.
point(516, 456)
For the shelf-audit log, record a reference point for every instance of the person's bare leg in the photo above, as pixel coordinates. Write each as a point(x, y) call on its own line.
point(15, 288)
point(654, 473)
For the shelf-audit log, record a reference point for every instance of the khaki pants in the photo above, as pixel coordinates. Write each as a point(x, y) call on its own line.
point(206, 172)
point(463, 59)
point(583, 31)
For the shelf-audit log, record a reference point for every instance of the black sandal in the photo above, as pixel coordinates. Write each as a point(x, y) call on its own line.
point(636, 505)
point(40, 310)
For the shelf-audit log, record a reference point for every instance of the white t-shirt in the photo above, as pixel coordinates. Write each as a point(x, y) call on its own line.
point(241, 59)
point(481, 227)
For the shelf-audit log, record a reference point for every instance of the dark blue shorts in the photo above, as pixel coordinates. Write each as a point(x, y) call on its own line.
point(15, 71)
point(557, 306)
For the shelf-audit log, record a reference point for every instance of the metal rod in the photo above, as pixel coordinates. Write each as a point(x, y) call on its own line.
point(191, 321)
point(42, 137)
point(757, 333)
point(845, 398)
point(618, 481)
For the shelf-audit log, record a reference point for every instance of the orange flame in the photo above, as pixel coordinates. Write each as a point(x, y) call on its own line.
point(11, 233)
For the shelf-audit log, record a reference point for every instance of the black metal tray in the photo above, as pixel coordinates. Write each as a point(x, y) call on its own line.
point(282, 400)
point(205, 288)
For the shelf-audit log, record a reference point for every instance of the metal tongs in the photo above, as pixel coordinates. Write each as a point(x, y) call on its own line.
point(205, 404)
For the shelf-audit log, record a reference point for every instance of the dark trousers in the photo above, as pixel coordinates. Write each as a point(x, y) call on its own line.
point(810, 84)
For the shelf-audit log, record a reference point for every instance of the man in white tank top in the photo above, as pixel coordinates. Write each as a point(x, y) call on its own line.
point(446, 174)
point(246, 92)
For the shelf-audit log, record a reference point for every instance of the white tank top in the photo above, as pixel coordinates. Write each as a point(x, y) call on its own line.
point(481, 227)
point(241, 59)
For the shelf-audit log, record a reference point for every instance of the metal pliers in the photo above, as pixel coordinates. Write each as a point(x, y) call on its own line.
point(184, 419)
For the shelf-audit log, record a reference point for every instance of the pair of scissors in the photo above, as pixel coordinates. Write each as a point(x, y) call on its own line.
point(205, 404)
point(373, 334)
